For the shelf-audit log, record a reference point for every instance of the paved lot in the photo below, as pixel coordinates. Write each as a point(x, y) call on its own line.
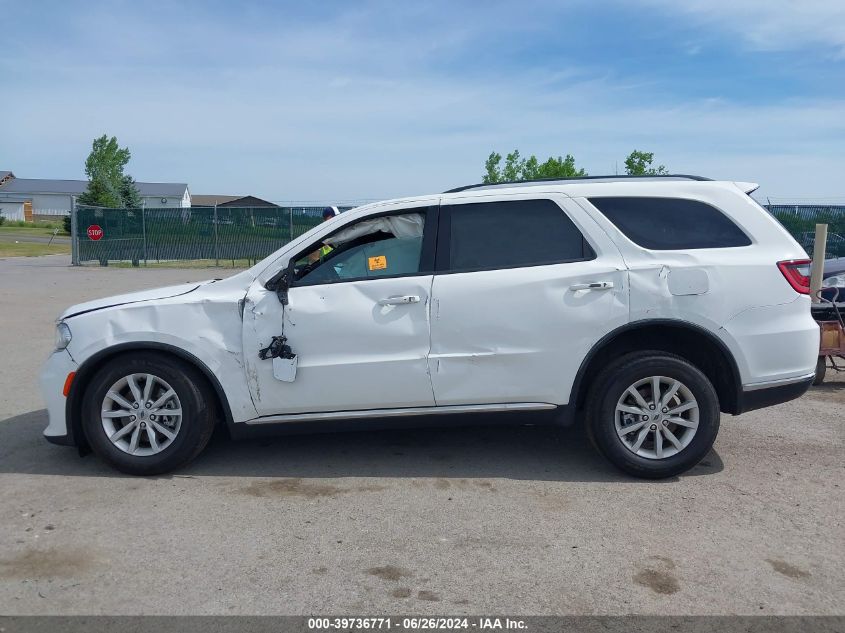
point(522, 520)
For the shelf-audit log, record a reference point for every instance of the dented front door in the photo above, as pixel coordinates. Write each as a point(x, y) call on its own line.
point(360, 345)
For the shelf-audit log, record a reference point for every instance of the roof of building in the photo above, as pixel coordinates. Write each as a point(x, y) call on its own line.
point(162, 188)
point(39, 185)
point(247, 201)
point(77, 187)
point(209, 200)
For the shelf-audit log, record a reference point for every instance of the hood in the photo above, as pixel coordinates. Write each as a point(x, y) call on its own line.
point(133, 297)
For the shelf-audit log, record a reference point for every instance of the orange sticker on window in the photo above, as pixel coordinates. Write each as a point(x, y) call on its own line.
point(379, 262)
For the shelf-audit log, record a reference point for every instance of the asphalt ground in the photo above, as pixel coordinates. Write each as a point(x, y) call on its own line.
point(523, 520)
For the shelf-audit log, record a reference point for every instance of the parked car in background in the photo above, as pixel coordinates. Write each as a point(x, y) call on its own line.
point(640, 307)
point(833, 280)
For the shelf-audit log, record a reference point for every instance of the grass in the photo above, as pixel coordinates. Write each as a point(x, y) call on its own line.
point(32, 249)
point(30, 231)
point(20, 224)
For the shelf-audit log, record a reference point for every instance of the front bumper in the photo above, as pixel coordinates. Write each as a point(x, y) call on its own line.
point(52, 381)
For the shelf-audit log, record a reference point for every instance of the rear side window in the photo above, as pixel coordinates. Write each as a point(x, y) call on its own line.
point(664, 224)
point(509, 234)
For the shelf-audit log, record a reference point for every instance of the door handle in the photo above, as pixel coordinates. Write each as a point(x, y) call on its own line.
point(595, 285)
point(401, 300)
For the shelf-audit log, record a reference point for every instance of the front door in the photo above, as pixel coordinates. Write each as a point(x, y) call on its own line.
point(357, 318)
point(513, 312)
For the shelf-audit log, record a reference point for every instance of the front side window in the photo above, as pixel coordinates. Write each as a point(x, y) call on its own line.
point(372, 248)
point(511, 234)
point(671, 223)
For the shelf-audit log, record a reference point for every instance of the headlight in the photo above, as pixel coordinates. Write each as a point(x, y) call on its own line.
point(63, 336)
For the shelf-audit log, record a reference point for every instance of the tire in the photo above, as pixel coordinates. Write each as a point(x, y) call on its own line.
point(657, 458)
point(821, 370)
point(191, 430)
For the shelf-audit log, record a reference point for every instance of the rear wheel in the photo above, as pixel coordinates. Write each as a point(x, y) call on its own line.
point(652, 414)
point(148, 413)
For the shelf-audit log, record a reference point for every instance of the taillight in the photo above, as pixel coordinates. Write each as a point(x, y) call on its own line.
point(797, 273)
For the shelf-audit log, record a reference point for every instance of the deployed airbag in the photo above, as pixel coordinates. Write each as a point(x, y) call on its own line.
point(407, 225)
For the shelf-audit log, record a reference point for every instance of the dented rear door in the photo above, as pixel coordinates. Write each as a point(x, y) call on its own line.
point(508, 329)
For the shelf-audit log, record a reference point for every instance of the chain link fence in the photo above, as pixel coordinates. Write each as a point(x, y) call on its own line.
point(219, 236)
point(228, 236)
point(801, 220)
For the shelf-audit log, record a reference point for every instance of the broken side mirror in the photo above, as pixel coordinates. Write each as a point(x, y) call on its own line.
point(283, 286)
point(279, 284)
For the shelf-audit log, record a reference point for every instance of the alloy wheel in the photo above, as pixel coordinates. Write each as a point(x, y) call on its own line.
point(656, 417)
point(141, 414)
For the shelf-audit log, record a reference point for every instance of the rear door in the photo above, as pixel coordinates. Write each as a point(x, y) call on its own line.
point(525, 286)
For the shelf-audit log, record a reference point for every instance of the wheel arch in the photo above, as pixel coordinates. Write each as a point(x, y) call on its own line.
point(73, 405)
point(687, 340)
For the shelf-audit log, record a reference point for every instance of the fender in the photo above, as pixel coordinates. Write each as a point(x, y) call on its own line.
point(74, 398)
point(579, 389)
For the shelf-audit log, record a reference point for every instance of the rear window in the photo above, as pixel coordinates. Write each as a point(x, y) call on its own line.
point(664, 224)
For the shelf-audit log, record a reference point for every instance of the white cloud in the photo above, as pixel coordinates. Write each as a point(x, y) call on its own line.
point(352, 108)
point(770, 25)
point(299, 137)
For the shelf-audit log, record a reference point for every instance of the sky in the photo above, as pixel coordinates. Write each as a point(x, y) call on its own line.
point(345, 101)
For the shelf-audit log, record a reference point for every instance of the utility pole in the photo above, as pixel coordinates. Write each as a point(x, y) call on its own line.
point(216, 247)
point(144, 226)
point(74, 241)
point(818, 262)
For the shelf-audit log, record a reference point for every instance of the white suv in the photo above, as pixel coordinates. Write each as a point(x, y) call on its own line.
point(642, 307)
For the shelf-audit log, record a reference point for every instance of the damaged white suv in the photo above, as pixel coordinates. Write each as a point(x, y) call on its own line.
point(643, 307)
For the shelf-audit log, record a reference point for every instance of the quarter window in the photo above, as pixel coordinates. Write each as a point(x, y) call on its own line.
point(510, 234)
point(671, 223)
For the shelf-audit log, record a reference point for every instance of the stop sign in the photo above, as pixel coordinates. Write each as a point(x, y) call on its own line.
point(95, 232)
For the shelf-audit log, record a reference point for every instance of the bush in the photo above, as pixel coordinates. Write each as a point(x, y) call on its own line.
point(66, 224)
point(40, 224)
point(2, 219)
point(45, 224)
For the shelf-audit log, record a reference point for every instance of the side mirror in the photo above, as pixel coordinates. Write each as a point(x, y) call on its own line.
point(279, 284)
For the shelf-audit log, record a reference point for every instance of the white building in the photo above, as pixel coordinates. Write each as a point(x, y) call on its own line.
point(25, 198)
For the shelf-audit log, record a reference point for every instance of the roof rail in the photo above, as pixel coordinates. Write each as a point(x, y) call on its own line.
point(577, 179)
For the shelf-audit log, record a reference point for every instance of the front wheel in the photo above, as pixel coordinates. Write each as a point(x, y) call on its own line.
point(652, 414)
point(147, 413)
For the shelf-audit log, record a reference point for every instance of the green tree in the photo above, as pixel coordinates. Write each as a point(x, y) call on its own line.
point(108, 186)
point(530, 168)
point(560, 167)
point(99, 194)
point(639, 164)
point(130, 197)
point(492, 173)
point(513, 167)
point(518, 168)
